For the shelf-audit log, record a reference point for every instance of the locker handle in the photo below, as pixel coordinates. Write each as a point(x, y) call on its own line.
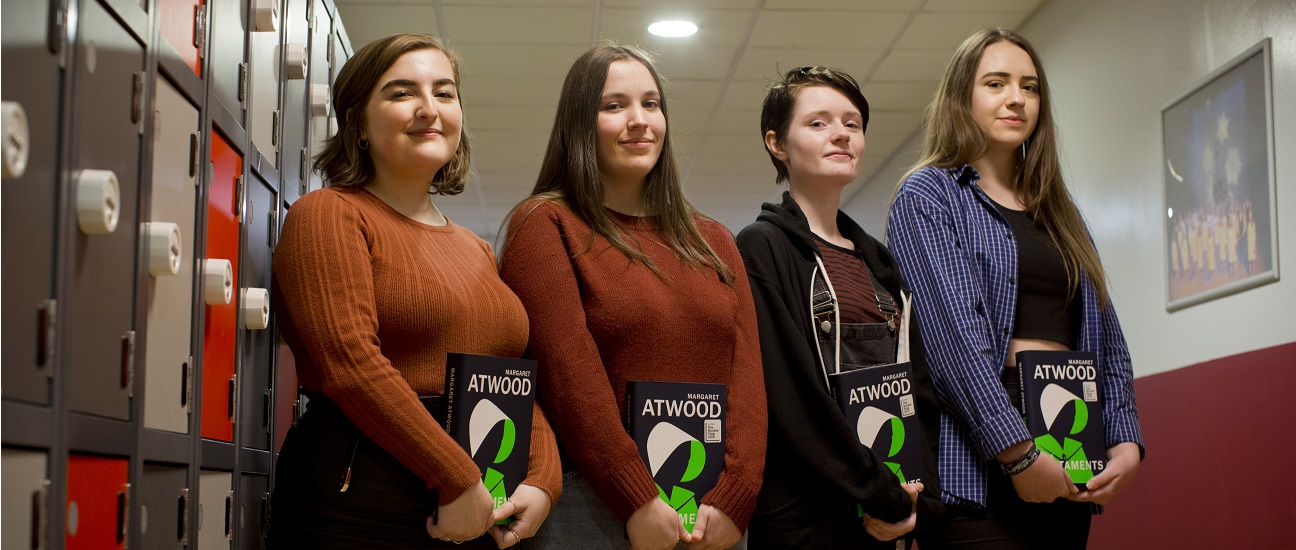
point(240, 196)
point(229, 516)
point(182, 523)
point(193, 155)
point(230, 400)
point(123, 513)
point(46, 315)
point(127, 359)
point(38, 515)
point(184, 384)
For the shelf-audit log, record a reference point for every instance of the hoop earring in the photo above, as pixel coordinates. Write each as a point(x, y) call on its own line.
point(363, 144)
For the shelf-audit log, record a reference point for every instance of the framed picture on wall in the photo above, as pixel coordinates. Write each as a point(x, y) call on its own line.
point(1220, 217)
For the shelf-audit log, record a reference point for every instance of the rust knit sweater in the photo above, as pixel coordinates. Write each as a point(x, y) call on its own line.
point(371, 301)
point(599, 321)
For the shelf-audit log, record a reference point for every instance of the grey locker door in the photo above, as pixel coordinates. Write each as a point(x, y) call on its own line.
point(163, 513)
point(106, 112)
point(24, 499)
point(32, 79)
point(253, 499)
point(257, 356)
point(294, 157)
point(225, 52)
point(263, 99)
point(168, 357)
point(320, 76)
point(215, 510)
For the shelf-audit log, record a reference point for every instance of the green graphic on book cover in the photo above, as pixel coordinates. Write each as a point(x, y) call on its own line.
point(663, 440)
point(868, 426)
point(485, 416)
point(1070, 452)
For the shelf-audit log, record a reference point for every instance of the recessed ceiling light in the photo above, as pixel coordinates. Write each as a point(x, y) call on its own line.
point(672, 29)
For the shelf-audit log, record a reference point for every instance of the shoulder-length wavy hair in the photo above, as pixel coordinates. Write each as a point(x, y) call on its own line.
point(952, 138)
point(570, 171)
point(342, 161)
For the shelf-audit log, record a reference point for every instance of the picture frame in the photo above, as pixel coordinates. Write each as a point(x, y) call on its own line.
point(1221, 225)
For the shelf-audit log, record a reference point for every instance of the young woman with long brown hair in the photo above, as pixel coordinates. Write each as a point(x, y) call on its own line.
point(1001, 261)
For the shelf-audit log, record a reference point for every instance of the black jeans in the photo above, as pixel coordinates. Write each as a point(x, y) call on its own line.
point(1009, 523)
point(385, 505)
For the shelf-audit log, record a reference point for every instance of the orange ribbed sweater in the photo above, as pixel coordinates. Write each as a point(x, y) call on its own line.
point(599, 321)
point(371, 301)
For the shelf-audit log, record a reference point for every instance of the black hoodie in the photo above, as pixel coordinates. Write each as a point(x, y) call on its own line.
point(813, 451)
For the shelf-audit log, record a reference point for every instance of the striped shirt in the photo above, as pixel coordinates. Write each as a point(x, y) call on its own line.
point(960, 257)
point(856, 296)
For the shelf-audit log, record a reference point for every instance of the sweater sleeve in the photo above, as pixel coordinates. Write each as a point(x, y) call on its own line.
point(574, 387)
point(960, 345)
point(324, 287)
point(801, 411)
point(740, 481)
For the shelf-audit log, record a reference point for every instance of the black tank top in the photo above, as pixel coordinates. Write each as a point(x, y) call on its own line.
point(1043, 311)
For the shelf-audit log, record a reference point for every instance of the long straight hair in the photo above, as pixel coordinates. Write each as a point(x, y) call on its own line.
point(570, 172)
point(952, 138)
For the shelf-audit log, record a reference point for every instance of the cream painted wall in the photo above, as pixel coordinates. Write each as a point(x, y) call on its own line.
point(1112, 65)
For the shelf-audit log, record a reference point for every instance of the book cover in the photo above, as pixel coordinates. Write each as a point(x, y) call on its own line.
point(1063, 410)
point(879, 402)
point(679, 428)
point(489, 403)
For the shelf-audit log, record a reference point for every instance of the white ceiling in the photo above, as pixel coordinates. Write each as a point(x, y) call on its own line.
point(516, 53)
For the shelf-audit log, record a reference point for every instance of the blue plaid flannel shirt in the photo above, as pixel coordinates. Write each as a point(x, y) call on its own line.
point(959, 256)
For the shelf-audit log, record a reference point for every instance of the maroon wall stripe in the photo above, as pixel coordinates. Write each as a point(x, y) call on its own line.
point(1220, 470)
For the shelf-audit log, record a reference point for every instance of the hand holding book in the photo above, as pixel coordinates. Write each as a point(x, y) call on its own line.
point(465, 518)
point(884, 531)
point(527, 507)
point(713, 530)
point(1122, 465)
point(1043, 481)
point(656, 526)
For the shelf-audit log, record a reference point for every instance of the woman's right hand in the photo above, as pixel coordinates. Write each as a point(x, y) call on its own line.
point(1044, 481)
point(884, 531)
point(465, 518)
point(656, 526)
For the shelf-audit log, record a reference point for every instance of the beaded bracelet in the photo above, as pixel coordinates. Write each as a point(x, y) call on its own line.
point(1021, 464)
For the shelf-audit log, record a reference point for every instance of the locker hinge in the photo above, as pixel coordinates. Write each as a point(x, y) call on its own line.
point(243, 84)
point(232, 402)
point(182, 523)
point(265, 513)
point(240, 196)
point(274, 129)
point(331, 44)
point(229, 516)
point(123, 514)
point(200, 28)
point(267, 404)
point(274, 226)
point(56, 38)
point(137, 98)
point(310, 15)
point(302, 176)
point(193, 157)
point(186, 390)
point(128, 363)
point(46, 321)
point(39, 516)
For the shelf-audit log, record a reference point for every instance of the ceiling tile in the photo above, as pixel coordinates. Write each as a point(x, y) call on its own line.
point(366, 23)
point(691, 94)
point(533, 91)
point(945, 31)
point(913, 66)
point(1018, 6)
point(731, 144)
point(737, 121)
point(844, 5)
point(715, 27)
point(767, 64)
point(511, 118)
point(678, 3)
point(894, 122)
point(827, 29)
point(692, 62)
point(517, 25)
point(510, 60)
point(733, 165)
point(899, 96)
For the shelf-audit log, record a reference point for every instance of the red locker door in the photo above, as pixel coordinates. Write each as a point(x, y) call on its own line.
point(220, 322)
point(96, 515)
point(287, 401)
point(184, 26)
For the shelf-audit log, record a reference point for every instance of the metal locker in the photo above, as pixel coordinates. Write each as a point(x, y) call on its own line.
point(294, 157)
point(341, 50)
point(184, 27)
point(253, 509)
point(287, 401)
point(31, 83)
point(168, 357)
point(319, 97)
point(226, 67)
point(24, 499)
point(224, 213)
point(261, 221)
point(98, 495)
point(263, 68)
point(163, 514)
point(215, 510)
point(107, 108)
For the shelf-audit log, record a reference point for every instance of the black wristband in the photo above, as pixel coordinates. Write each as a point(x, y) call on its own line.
point(1021, 464)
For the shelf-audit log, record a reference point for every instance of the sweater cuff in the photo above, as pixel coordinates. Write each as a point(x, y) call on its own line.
point(455, 479)
point(547, 477)
point(733, 497)
point(629, 489)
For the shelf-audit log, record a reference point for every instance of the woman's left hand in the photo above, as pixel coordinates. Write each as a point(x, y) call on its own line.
point(1122, 465)
point(713, 530)
point(529, 507)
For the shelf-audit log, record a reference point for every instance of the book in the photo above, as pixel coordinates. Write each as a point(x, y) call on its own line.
point(679, 428)
point(489, 404)
point(879, 402)
point(1062, 408)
